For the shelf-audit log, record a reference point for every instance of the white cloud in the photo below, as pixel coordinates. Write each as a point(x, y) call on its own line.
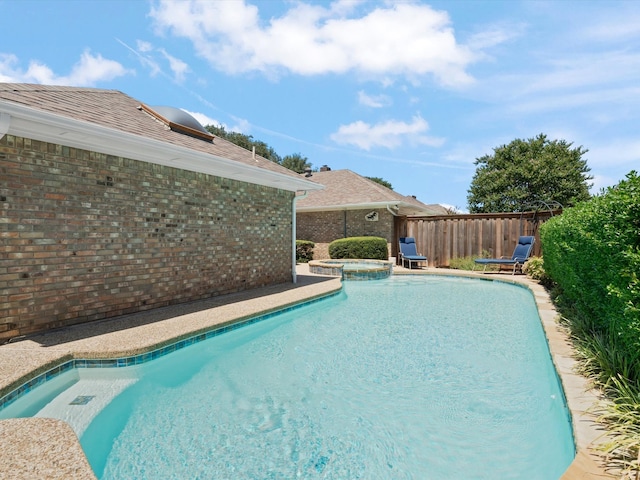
point(618, 152)
point(145, 52)
point(586, 70)
point(390, 134)
point(203, 119)
point(144, 46)
point(495, 35)
point(177, 66)
point(403, 39)
point(600, 182)
point(87, 72)
point(373, 101)
point(613, 25)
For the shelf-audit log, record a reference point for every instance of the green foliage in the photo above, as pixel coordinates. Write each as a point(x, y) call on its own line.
point(462, 263)
point(528, 171)
point(296, 162)
point(534, 268)
point(592, 252)
point(469, 263)
point(304, 251)
point(359, 247)
point(245, 141)
point(622, 417)
point(380, 181)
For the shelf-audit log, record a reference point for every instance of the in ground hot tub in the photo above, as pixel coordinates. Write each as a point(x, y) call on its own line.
point(352, 269)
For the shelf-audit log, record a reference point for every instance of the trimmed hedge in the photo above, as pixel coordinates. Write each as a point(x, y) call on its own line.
point(359, 247)
point(592, 252)
point(304, 251)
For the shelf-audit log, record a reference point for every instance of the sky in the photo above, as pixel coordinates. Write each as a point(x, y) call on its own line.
point(412, 92)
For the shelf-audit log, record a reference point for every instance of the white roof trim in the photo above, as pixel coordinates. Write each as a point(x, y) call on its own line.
point(400, 207)
point(348, 206)
point(44, 126)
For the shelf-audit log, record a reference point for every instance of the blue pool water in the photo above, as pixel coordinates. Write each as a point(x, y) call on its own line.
point(404, 378)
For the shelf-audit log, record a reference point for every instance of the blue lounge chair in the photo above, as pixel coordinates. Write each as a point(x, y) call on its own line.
point(409, 253)
point(519, 257)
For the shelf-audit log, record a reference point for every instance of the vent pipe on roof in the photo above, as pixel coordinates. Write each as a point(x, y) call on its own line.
point(253, 152)
point(5, 122)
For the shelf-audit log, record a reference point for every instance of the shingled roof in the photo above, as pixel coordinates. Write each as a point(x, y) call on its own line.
point(346, 190)
point(111, 122)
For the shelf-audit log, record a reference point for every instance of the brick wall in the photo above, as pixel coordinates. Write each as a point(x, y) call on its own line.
point(86, 236)
point(324, 227)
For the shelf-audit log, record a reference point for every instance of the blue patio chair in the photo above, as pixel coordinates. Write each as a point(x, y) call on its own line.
point(520, 255)
point(408, 252)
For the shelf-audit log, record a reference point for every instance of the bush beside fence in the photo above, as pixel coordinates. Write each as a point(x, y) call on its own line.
point(359, 247)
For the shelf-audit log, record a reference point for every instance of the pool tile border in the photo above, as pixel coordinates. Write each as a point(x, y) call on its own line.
point(144, 357)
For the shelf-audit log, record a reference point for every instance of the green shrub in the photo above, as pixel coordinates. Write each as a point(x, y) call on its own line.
point(592, 251)
point(359, 247)
point(462, 263)
point(469, 263)
point(534, 268)
point(304, 251)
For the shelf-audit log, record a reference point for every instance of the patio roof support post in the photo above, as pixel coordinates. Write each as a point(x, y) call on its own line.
point(294, 275)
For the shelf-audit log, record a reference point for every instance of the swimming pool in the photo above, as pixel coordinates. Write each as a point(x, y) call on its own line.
point(388, 380)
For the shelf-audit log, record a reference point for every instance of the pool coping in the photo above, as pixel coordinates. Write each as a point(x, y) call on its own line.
point(47, 448)
point(336, 268)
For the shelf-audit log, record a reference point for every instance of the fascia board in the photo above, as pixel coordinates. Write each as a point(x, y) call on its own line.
point(49, 127)
point(349, 206)
point(402, 208)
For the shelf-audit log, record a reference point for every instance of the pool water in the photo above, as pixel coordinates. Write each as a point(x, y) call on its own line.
point(356, 265)
point(405, 378)
point(352, 269)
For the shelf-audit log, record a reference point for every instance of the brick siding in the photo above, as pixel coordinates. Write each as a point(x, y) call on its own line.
point(324, 227)
point(86, 236)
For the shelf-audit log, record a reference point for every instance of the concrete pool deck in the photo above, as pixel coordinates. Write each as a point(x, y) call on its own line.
point(46, 448)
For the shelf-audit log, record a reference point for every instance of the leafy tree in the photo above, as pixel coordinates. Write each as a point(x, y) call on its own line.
point(245, 141)
point(381, 181)
point(296, 162)
point(529, 171)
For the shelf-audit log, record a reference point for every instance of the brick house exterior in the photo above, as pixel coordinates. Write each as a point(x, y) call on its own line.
point(108, 209)
point(352, 206)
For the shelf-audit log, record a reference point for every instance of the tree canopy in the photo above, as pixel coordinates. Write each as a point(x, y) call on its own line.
point(381, 181)
point(526, 172)
point(296, 162)
point(245, 141)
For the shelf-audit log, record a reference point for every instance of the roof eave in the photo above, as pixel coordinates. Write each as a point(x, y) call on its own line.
point(28, 122)
point(401, 208)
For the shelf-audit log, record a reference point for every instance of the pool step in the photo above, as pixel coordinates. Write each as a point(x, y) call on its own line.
point(82, 402)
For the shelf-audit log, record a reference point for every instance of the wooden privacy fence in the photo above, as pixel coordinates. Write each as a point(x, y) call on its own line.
point(442, 238)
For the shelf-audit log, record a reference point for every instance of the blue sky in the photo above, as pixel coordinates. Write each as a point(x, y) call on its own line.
point(412, 92)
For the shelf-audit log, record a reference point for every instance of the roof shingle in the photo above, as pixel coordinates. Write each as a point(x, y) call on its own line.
point(345, 189)
point(116, 110)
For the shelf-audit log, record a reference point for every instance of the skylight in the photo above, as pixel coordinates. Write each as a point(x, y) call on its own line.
point(178, 121)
